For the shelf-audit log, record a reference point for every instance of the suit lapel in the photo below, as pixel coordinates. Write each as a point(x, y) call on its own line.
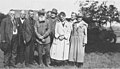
point(10, 23)
point(10, 28)
point(20, 21)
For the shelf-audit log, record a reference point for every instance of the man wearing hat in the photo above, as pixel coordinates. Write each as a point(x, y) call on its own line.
point(52, 20)
point(42, 30)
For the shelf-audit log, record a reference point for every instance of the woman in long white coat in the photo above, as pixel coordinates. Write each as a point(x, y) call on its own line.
point(60, 47)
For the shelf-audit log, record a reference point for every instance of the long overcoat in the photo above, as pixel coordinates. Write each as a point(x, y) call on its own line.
point(77, 41)
point(60, 48)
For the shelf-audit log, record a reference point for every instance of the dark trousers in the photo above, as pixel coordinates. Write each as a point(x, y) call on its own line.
point(7, 54)
point(44, 50)
point(51, 38)
point(21, 50)
point(11, 52)
point(29, 52)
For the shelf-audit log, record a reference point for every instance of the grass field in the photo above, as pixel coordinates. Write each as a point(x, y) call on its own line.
point(96, 57)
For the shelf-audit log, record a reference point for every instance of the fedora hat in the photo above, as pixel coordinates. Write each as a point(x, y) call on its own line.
point(54, 11)
point(41, 12)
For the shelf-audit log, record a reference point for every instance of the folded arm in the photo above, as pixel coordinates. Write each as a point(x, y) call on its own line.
point(47, 33)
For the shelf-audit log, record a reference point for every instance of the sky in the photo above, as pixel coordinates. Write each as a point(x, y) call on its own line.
point(62, 5)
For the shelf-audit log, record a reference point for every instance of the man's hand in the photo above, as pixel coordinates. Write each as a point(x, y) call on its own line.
point(84, 44)
point(24, 41)
point(3, 41)
point(41, 37)
point(61, 37)
point(43, 40)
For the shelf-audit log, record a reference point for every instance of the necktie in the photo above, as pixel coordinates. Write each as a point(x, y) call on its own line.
point(63, 24)
point(14, 26)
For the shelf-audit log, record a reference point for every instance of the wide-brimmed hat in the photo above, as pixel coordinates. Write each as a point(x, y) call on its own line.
point(41, 12)
point(54, 11)
point(79, 15)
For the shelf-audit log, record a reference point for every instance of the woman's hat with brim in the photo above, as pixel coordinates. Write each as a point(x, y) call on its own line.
point(79, 15)
point(54, 11)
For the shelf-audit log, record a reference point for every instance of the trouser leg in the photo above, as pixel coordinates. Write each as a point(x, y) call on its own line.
point(21, 51)
point(14, 45)
point(21, 54)
point(27, 54)
point(32, 49)
point(47, 53)
point(7, 55)
point(40, 53)
point(51, 38)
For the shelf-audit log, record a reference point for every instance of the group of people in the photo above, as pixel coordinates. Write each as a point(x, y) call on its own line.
point(54, 38)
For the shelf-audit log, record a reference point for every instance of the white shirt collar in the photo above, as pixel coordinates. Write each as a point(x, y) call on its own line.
point(22, 20)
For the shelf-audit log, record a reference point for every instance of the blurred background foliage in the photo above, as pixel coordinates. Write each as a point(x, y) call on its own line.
point(94, 12)
point(98, 16)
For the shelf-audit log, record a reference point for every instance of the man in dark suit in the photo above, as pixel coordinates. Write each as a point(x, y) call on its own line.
point(29, 39)
point(9, 37)
point(21, 44)
point(52, 20)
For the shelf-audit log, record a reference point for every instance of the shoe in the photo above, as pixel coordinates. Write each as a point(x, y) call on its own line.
point(72, 63)
point(6, 67)
point(19, 65)
point(41, 66)
point(12, 66)
point(26, 65)
point(48, 65)
point(35, 64)
point(30, 66)
point(79, 65)
point(23, 65)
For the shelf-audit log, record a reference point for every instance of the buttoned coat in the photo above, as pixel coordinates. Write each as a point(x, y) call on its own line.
point(60, 48)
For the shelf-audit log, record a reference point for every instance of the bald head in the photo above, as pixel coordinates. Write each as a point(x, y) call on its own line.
point(11, 12)
point(23, 14)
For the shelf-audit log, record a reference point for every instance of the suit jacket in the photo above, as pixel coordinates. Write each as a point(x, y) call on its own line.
point(52, 25)
point(29, 30)
point(21, 30)
point(43, 29)
point(7, 29)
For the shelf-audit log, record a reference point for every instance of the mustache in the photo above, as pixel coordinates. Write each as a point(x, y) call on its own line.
point(42, 21)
